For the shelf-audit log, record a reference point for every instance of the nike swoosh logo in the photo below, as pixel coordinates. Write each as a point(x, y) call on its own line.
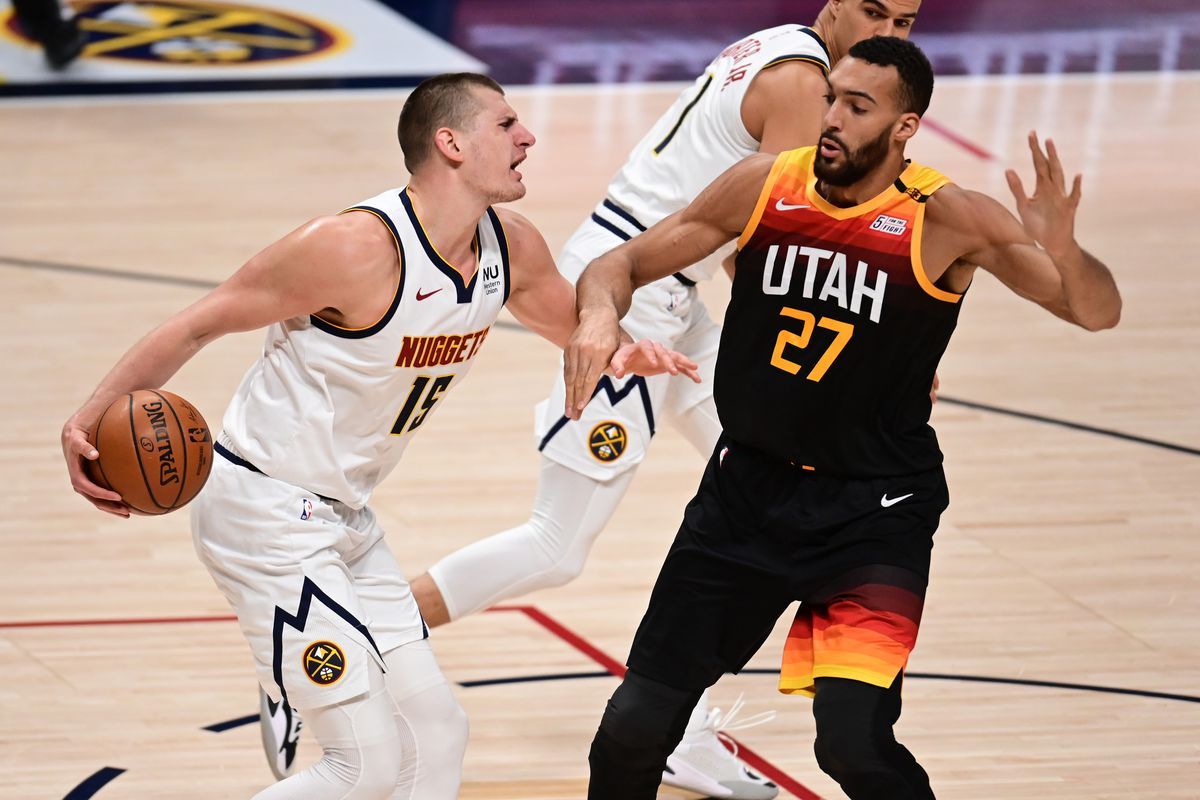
point(888, 502)
point(421, 297)
point(782, 206)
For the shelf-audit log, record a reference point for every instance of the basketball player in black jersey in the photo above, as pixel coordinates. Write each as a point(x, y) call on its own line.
point(827, 485)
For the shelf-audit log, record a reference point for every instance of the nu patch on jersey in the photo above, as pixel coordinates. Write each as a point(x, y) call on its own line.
point(607, 441)
point(324, 663)
point(893, 225)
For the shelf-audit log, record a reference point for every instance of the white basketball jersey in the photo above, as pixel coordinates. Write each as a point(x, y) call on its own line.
point(701, 135)
point(331, 409)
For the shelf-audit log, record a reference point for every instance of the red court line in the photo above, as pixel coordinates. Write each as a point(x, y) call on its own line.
point(616, 668)
point(61, 623)
point(958, 139)
point(552, 625)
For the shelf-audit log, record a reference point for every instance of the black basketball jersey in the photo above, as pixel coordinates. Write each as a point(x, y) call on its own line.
point(834, 332)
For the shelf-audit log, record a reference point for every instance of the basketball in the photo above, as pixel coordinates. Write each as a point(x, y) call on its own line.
point(155, 451)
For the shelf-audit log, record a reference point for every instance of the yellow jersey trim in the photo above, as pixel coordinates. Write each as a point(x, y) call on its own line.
point(918, 266)
point(399, 277)
point(780, 164)
point(908, 177)
point(466, 281)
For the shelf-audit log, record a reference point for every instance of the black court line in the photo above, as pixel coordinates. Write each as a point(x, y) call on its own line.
point(78, 269)
point(105, 272)
point(931, 676)
point(93, 783)
point(1078, 426)
point(221, 727)
point(562, 676)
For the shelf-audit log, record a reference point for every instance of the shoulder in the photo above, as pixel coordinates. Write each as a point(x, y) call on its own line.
point(525, 241)
point(784, 78)
point(353, 236)
point(971, 214)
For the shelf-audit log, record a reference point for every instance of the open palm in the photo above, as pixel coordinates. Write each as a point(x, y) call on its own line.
point(1049, 215)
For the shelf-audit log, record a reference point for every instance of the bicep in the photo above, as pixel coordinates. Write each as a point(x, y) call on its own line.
point(297, 275)
point(999, 244)
point(719, 214)
point(541, 298)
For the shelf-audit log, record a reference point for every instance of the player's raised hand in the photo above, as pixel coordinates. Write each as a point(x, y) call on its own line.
point(76, 448)
point(586, 356)
point(1049, 215)
point(651, 358)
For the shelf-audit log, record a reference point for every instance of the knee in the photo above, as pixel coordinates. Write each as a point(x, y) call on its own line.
point(846, 743)
point(563, 549)
point(647, 715)
point(376, 773)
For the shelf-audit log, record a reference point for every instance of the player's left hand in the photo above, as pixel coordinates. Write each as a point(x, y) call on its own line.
point(1049, 215)
point(651, 358)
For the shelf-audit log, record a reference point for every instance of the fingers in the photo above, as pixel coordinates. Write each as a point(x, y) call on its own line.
point(663, 357)
point(1039, 158)
point(1056, 170)
point(1015, 186)
point(79, 448)
point(1077, 190)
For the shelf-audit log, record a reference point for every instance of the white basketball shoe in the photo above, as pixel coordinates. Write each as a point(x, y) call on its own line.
point(703, 764)
point(280, 726)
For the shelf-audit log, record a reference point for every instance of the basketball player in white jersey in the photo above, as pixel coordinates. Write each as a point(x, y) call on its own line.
point(764, 93)
point(373, 315)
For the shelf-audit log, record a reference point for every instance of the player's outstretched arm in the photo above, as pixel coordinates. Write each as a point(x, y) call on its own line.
point(1037, 256)
point(305, 272)
point(606, 287)
point(544, 302)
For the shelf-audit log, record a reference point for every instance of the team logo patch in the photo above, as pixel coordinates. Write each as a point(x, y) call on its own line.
point(196, 32)
point(893, 225)
point(324, 663)
point(607, 441)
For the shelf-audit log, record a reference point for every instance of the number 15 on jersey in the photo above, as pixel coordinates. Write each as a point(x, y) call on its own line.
point(424, 395)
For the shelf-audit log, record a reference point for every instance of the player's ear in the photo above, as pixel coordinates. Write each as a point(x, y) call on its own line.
point(447, 144)
point(906, 127)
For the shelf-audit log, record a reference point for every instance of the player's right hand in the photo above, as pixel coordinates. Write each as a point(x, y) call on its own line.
point(586, 356)
point(76, 448)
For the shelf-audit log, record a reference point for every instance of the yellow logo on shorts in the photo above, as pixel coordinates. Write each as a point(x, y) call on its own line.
point(607, 441)
point(324, 663)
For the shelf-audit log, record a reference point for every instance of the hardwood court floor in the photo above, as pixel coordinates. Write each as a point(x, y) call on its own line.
point(1066, 556)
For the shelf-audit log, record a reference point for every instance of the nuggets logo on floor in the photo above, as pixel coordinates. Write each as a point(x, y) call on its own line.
point(607, 441)
point(324, 663)
point(198, 33)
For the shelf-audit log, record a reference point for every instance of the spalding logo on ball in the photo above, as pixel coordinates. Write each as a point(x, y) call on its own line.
point(155, 451)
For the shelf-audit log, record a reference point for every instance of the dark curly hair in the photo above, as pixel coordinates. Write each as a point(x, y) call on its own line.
point(916, 74)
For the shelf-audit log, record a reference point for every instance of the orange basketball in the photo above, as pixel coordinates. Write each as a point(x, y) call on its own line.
point(155, 451)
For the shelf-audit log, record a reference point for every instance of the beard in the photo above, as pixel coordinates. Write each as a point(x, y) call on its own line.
point(856, 164)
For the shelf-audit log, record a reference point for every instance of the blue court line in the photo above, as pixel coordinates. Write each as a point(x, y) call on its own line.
point(93, 783)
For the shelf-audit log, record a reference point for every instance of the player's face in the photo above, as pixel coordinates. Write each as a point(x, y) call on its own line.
point(497, 145)
point(860, 128)
point(861, 19)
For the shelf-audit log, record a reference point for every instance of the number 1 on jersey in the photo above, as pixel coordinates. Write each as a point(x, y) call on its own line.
point(842, 333)
point(436, 387)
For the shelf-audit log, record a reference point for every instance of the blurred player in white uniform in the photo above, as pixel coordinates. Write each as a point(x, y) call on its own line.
point(373, 315)
point(765, 93)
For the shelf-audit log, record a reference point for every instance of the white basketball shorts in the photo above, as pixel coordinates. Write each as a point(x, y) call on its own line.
point(317, 592)
point(616, 426)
